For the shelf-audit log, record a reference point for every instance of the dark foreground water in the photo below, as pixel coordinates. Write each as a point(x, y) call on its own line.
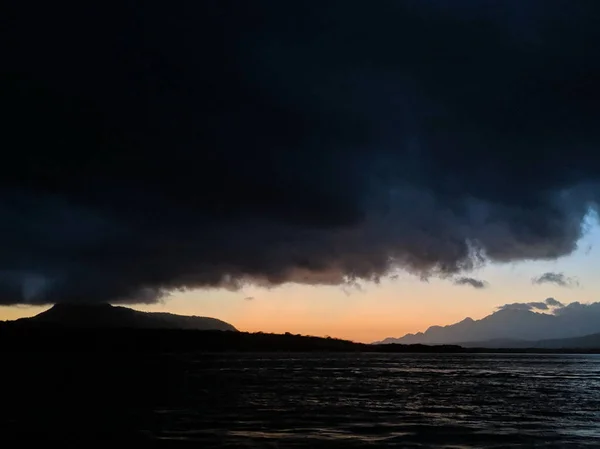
point(308, 401)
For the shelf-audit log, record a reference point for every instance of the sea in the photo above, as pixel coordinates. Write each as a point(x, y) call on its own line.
point(286, 400)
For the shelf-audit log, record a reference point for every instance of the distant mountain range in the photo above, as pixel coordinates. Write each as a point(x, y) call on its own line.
point(515, 326)
point(108, 316)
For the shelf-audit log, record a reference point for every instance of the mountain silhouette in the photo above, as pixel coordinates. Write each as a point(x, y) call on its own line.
point(512, 327)
point(108, 316)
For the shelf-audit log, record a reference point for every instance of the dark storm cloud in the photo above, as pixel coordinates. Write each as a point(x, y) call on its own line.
point(555, 278)
point(151, 147)
point(475, 283)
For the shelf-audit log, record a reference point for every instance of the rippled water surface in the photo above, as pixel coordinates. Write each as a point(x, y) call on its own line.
point(313, 401)
point(384, 400)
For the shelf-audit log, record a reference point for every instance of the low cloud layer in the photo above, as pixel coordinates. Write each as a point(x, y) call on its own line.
point(548, 304)
point(475, 283)
point(268, 142)
point(553, 302)
point(557, 279)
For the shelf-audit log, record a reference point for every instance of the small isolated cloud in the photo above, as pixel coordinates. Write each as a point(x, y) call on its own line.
point(553, 302)
point(555, 278)
point(475, 283)
point(249, 298)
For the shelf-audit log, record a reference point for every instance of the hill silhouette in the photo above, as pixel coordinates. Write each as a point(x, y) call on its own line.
point(108, 316)
point(591, 341)
point(585, 342)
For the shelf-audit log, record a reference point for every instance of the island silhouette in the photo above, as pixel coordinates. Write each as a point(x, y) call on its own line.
point(103, 327)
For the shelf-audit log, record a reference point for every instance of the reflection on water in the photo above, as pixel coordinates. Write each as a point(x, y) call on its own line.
point(363, 400)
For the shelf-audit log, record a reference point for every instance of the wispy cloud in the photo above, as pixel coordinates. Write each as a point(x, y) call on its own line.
point(555, 278)
point(475, 283)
